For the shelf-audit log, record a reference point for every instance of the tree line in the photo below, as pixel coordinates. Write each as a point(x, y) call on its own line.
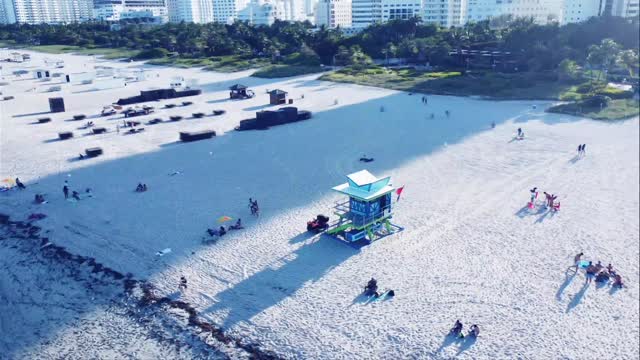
point(600, 42)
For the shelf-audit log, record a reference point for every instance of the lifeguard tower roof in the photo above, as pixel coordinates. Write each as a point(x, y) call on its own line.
point(364, 186)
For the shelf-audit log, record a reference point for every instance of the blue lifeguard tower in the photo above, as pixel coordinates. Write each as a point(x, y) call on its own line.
point(366, 215)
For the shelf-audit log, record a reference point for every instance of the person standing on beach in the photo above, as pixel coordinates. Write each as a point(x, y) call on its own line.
point(577, 258)
point(65, 190)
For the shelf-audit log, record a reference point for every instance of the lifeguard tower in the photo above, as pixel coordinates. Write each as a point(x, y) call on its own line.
point(366, 215)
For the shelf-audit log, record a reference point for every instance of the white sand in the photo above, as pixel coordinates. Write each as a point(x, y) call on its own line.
point(469, 250)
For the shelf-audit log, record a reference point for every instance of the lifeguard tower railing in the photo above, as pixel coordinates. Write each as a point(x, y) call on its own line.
point(358, 221)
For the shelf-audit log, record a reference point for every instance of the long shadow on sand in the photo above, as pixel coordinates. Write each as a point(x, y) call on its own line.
point(569, 276)
point(281, 280)
point(577, 298)
point(286, 167)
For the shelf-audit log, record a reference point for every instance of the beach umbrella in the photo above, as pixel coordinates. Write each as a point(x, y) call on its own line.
point(8, 180)
point(224, 219)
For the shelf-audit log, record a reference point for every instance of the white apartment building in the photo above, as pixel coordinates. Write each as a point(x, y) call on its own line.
point(445, 13)
point(624, 8)
point(226, 11)
point(116, 10)
point(365, 12)
point(265, 12)
point(259, 12)
point(333, 13)
point(194, 11)
point(401, 9)
point(543, 11)
point(310, 8)
point(579, 10)
point(45, 11)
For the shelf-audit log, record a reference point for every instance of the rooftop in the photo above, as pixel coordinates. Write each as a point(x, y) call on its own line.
point(365, 186)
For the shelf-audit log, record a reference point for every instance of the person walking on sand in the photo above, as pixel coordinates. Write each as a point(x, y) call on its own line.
point(583, 152)
point(547, 197)
point(183, 283)
point(65, 190)
point(534, 194)
point(19, 184)
point(577, 259)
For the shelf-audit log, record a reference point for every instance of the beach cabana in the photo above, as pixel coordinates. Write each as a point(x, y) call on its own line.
point(277, 97)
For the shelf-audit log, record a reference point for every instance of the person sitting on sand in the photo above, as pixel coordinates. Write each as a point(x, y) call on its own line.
point(457, 327)
point(617, 281)
point(222, 231)
point(372, 287)
point(610, 269)
point(75, 195)
point(237, 226)
point(599, 266)
point(139, 187)
point(474, 330)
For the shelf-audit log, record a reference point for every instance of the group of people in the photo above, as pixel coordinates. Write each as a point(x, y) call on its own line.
point(550, 199)
point(74, 194)
point(39, 199)
point(599, 271)
point(456, 330)
point(581, 151)
point(253, 206)
point(221, 231)
point(141, 187)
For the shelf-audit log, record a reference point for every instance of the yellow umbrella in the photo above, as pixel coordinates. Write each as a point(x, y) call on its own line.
point(224, 218)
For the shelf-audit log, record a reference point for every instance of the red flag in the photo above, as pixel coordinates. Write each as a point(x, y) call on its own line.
point(399, 190)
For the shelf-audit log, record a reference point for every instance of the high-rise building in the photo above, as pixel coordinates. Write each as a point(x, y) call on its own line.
point(45, 11)
point(116, 10)
point(333, 13)
point(365, 12)
point(624, 8)
point(195, 11)
point(445, 13)
point(226, 11)
point(259, 12)
point(7, 13)
point(310, 8)
point(574, 11)
point(401, 9)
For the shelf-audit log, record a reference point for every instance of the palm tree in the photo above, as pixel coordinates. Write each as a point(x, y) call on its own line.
point(629, 60)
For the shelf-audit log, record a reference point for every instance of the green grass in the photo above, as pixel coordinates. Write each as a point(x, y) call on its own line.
point(54, 49)
point(280, 71)
point(487, 84)
point(229, 63)
point(617, 110)
point(108, 53)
